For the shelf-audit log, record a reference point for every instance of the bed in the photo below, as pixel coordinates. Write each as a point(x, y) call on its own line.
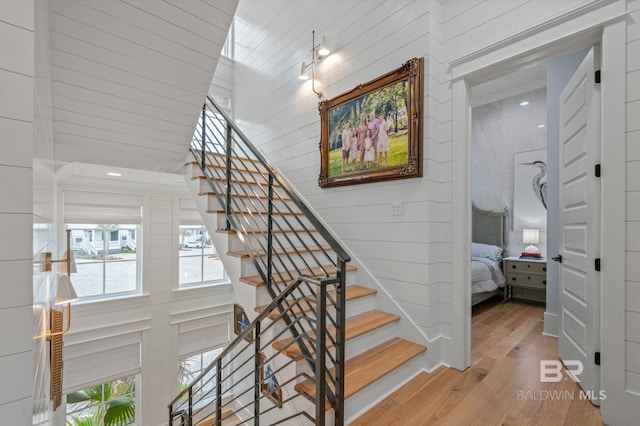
point(489, 242)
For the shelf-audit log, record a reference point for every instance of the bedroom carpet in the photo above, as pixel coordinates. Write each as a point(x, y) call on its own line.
point(501, 387)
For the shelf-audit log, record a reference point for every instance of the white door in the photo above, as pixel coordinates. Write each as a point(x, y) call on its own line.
point(579, 337)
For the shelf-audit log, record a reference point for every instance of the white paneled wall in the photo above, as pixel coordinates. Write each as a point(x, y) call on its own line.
point(473, 24)
point(44, 190)
point(633, 199)
point(153, 330)
point(129, 77)
point(16, 209)
point(278, 112)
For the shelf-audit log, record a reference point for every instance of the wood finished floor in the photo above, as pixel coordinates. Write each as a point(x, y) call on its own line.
point(507, 346)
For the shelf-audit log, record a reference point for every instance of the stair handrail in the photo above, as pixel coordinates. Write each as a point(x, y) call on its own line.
point(335, 246)
point(254, 326)
point(216, 154)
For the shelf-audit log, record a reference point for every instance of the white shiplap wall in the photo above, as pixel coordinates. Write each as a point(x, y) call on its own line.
point(408, 254)
point(44, 191)
point(152, 330)
point(17, 54)
point(469, 25)
point(129, 77)
point(633, 199)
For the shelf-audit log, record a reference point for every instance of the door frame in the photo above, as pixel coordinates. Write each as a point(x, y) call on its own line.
point(606, 25)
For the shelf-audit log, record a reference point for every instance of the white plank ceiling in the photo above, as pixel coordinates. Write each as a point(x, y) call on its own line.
point(129, 77)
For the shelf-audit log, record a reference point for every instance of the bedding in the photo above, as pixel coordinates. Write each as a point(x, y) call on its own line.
point(486, 250)
point(486, 275)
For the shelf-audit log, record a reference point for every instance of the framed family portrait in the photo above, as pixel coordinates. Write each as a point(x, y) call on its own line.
point(268, 382)
point(241, 322)
point(374, 132)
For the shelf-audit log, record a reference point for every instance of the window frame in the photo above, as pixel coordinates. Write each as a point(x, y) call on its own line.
point(202, 282)
point(93, 237)
point(136, 397)
point(200, 353)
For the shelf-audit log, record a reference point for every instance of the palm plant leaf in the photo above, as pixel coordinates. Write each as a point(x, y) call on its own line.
point(92, 394)
point(91, 421)
point(121, 411)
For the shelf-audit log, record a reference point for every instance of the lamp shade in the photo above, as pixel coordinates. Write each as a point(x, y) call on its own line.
point(62, 266)
point(530, 236)
point(303, 72)
point(65, 293)
point(323, 49)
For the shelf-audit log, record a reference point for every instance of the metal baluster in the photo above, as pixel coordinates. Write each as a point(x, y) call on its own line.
point(321, 343)
point(204, 136)
point(340, 341)
point(219, 392)
point(190, 419)
point(258, 379)
point(228, 193)
point(270, 233)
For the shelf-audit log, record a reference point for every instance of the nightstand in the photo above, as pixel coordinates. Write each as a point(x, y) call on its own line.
point(526, 278)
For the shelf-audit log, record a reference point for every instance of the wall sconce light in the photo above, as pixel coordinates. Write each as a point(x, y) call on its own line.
point(531, 237)
point(318, 52)
point(65, 292)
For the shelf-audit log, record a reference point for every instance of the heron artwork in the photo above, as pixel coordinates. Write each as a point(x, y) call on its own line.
point(539, 186)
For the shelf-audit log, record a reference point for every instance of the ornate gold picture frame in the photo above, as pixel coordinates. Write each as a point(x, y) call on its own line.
point(374, 132)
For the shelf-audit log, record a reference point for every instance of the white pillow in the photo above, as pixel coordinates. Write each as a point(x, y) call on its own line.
point(486, 250)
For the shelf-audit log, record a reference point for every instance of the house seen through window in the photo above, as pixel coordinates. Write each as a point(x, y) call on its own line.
point(199, 262)
point(107, 259)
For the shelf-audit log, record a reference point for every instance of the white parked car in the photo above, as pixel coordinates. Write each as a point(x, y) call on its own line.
point(193, 244)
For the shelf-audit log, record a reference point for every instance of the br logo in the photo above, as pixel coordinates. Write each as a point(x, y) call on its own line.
point(551, 370)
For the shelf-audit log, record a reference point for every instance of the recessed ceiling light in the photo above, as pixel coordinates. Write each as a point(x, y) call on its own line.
point(540, 126)
point(524, 103)
point(114, 174)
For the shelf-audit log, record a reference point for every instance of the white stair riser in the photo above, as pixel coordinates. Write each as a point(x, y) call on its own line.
point(279, 223)
point(282, 266)
point(263, 298)
point(250, 296)
point(379, 390)
point(360, 344)
point(253, 204)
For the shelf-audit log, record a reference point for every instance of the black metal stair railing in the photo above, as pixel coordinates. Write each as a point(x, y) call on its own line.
point(296, 258)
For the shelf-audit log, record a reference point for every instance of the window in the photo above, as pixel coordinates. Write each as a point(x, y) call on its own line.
point(106, 259)
point(191, 367)
point(199, 262)
point(227, 49)
point(112, 403)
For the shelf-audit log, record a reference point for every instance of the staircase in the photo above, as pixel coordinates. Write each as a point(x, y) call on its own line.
point(317, 351)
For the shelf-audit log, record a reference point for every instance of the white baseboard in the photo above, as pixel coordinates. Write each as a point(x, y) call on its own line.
point(551, 324)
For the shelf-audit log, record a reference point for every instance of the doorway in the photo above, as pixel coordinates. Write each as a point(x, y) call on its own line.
point(509, 175)
point(475, 69)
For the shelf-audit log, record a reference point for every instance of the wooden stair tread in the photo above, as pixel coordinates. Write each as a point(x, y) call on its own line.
point(355, 326)
point(197, 164)
point(244, 255)
point(227, 417)
point(265, 232)
point(256, 280)
point(247, 182)
point(235, 157)
point(260, 197)
point(220, 211)
point(353, 292)
point(370, 366)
